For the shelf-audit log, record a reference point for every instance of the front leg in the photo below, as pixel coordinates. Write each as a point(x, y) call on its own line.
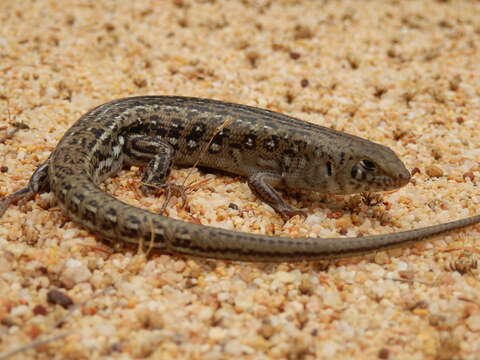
point(262, 183)
point(38, 183)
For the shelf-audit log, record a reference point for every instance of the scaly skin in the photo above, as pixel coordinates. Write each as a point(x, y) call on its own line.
point(270, 149)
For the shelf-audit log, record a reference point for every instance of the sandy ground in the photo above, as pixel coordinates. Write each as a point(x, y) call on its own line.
point(402, 73)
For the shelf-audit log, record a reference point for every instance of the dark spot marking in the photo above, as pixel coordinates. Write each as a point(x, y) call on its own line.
point(152, 234)
point(249, 141)
point(182, 243)
point(79, 196)
point(159, 238)
point(107, 225)
point(290, 153)
point(329, 168)
point(93, 203)
point(111, 212)
point(271, 143)
point(60, 196)
point(99, 156)
point(197, 131)
point(300, 145)
point(128, 232)
point(112, 125)
point(110, 221)
point(159, 131)
point(176, 128)
point(90, 216)
point(132, 220)
point(192, 140)
point(220, 137)
point(106, 142)
point(97, 132)
point(73, 207)
point(65, 171)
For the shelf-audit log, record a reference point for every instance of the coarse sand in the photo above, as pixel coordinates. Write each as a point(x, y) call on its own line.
point(405, 74)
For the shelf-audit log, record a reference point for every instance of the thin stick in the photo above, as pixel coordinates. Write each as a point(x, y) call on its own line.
point(409, 281)
point(33, 345)
point(152, 237)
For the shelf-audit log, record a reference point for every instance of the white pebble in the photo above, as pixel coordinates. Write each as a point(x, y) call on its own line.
point(473, 322)
point(74, 272)
point(329, 349)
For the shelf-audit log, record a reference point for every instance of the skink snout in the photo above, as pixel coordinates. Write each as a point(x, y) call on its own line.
point(404, 177)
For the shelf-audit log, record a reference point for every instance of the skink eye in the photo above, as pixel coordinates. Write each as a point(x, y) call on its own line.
point(368, 165)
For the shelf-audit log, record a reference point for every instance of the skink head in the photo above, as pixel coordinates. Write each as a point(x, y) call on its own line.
point(371, 167)
point(346, 164)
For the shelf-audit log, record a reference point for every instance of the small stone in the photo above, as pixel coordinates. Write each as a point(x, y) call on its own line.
point(217, 334)
point(233, 206)
point(434, 171)
point(294, 55)
point(332, 299)
point(40, 310)
point(285, 277)
point(116, 347)
point(473, 322)
point(329, 349)
point(306, 286)
point(267, 330)
point(8, 322)
point(383, 353)
point(252, 57)
point(59, 298)
point(406, 274)
point(75, 272)
point(304, 83)
point(470, 175)
point(140, 82)
point(436, 320)
point(302, 32)
point(4, 266)
point(416, 171)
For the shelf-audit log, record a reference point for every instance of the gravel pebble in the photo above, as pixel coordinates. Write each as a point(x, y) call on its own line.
point(59, 298)
point(74, 272)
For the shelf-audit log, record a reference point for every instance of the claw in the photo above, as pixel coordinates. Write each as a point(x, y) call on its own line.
point(22, 195)
point(290, 212)
point(169, 189)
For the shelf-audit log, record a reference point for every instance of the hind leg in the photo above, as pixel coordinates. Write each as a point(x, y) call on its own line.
point(38, 183)
point(158, 155)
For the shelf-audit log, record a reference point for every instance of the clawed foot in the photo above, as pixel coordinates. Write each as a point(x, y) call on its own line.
point(169, 189)
point(288, 212)
point(21, 196)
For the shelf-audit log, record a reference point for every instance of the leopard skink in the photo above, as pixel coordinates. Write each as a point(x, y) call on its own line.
point(270, 149)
